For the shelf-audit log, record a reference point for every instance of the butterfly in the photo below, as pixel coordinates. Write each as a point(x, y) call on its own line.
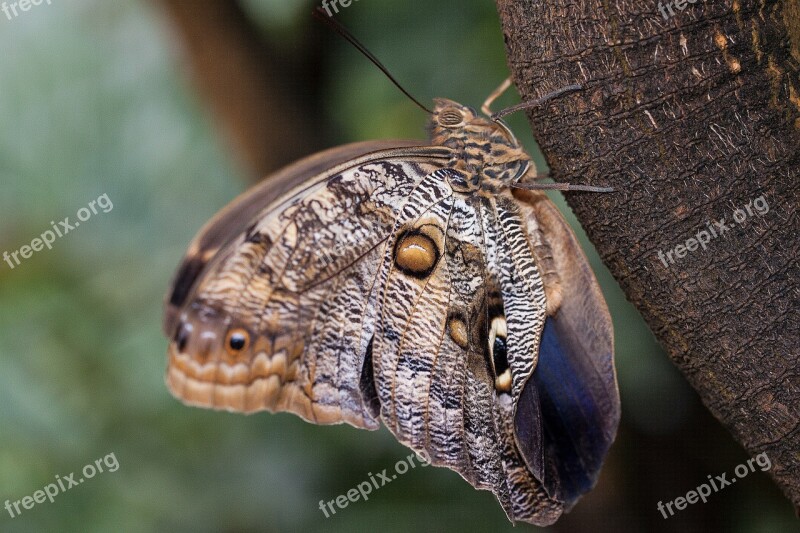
point(428, 286)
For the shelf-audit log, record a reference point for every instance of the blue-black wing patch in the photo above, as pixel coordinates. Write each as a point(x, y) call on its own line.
point(573, 390)
point(574, 416)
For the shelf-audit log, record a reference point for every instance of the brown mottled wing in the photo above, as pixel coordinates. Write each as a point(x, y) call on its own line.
point(294, 276)
point(369, 291)
point(222, 230)
point(433, 376)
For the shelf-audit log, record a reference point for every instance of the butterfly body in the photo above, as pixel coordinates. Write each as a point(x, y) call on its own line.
point(410, 285)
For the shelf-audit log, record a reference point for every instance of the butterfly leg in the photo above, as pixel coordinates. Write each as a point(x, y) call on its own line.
point(497, 93)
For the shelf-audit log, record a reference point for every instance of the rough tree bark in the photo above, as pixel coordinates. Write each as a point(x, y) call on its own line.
point(690, 117)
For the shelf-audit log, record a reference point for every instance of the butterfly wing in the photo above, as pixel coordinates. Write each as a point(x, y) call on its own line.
point(372, 290)
point(573, 397)
point(459, 278)
point(537, 439)
point(269, 312)
point(223, 230)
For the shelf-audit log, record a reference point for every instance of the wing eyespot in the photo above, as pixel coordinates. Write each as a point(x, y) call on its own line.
point(236, 341)
point(458, 329)
point(498, 354)
point(417, 252)
point(182, 336)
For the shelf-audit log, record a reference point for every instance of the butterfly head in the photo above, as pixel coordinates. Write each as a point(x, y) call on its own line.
point(485, 149)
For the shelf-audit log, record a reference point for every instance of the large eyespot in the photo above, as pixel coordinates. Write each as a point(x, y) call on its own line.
point(451, 117)
point(418, 250)
point(236, 341)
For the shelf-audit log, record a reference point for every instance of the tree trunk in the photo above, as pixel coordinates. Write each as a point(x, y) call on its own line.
point(694, 119)
point(266, 118)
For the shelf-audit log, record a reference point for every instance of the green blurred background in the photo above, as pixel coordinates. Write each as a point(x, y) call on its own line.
point(95, 97)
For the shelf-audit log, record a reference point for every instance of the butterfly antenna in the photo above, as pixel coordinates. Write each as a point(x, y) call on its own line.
point(560, 187)
point(320, 14)
point(537, 102)
point(537, 185)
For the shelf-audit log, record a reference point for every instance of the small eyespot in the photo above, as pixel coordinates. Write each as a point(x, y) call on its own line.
point(182, 337)
point(236, 341)
point(459, 331)
point(451, 117)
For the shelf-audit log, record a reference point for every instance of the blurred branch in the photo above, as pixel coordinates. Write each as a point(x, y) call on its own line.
point(244, 83)
point(690, 115)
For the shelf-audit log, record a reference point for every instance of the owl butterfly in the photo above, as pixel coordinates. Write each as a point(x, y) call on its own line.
point(415, 284)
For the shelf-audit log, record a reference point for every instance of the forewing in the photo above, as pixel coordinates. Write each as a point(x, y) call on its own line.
point(297, 283)
point(226, 229)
